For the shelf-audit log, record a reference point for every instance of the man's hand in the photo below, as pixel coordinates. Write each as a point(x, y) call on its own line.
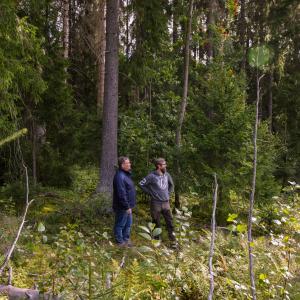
point(129, 211)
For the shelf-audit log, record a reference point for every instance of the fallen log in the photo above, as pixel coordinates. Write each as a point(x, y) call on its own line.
point(15, 293)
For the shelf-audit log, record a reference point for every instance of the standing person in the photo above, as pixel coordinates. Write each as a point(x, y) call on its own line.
point(159, 184)
point(124, 200)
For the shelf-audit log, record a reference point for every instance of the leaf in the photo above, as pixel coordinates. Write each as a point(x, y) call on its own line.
point(145, 235)
point(45, 239)
point(151, 226)
point(232, 217)
point(262, 276)
point(145, 249)
point(241, 228)
point(41, 227)
point(145, 228)
point(157, 231)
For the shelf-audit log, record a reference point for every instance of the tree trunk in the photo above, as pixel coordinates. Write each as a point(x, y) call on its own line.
point(110, 104)
point(100, 40)
point(242, 34)
point(34, 153)
point(183, 104)
point(270, 102)
point(210, 28)
point(66, 28)
point(175, 22)
point(251, 201)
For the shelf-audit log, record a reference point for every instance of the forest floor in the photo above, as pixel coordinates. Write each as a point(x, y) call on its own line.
point(68, 245)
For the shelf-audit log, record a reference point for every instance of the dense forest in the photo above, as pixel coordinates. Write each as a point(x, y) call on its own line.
point(211, 86)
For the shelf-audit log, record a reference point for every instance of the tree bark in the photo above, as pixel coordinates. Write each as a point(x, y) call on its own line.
point(100, 40)
point(110, 104)
point(270, 102)
point(251, 202)
point(183, 104)
point(175, 22)
point(66, 28)
point(242, 34)
point(34, 153)
point(210, 28)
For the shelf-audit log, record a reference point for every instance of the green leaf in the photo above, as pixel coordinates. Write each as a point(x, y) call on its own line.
point(145, 228)
point(145, 249)
point(232, 217)
point(262, 276)
point(241, 228)
point(145, 235)
point(45, 239)
point(41, 227)
point(157, 231)
point(151, 226)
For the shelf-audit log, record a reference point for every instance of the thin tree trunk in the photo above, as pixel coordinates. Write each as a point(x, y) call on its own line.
point(212, 241)
point(270, 103)
point(110, 104)
point(242, 34)
point(34, 153)
point(127, 30)
point(210, 28)
point(183, 104)
point(66, 28)
point(101, 58)
point(175, 22)
point(251, 202)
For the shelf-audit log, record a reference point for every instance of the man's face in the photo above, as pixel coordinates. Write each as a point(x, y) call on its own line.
point(163, 167)
point(126, 165)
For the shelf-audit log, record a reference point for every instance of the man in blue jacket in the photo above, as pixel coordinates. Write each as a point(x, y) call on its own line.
point(124, 199)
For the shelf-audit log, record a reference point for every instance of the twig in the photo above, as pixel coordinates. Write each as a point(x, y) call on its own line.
point(12, 248)
point(212, 241)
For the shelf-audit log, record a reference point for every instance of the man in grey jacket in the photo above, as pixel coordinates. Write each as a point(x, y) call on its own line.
point(159, 184)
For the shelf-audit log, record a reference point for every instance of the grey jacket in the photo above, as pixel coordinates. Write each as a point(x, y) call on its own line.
point(157, 186)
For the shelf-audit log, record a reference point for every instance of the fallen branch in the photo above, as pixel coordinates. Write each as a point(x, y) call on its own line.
point(212, 241)
point(12, 248)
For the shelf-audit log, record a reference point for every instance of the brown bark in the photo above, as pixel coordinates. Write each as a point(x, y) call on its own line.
point(211, 21)
point(100, 40)
point(110, 104)
point(183, 103)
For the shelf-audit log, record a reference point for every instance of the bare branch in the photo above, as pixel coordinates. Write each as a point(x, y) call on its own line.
point(12, 248)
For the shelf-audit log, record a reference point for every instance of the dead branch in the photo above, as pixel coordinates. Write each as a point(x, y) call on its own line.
point(12, 248)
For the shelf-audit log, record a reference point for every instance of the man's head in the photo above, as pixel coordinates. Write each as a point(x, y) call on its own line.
point(160, 164)
point(124, 163)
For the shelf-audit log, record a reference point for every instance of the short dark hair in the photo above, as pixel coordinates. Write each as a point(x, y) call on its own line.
point(121, 160)
point(158, 161)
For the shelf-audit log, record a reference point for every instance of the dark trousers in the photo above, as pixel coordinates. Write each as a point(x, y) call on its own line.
point(123, 222)
point(157, 208)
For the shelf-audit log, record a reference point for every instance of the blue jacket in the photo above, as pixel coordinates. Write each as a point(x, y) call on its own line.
point(124, 195)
